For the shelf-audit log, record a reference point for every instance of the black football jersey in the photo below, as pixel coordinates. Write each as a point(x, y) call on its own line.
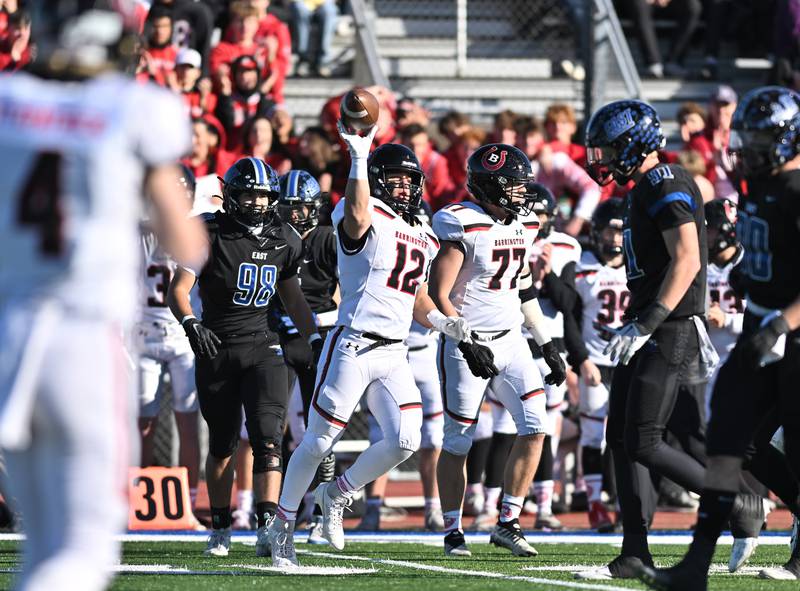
point(318, 278)
point(666, 197)
point(241, 275)
point(769, 230)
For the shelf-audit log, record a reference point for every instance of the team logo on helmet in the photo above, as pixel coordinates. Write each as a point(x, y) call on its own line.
point(619, 124)
point(492, 161)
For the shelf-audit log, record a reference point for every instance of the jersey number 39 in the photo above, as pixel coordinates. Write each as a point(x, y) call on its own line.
point(255, 284)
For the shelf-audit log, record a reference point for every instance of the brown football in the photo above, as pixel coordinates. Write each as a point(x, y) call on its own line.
point(359, 109)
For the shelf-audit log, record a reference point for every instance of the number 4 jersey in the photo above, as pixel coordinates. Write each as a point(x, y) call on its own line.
point(496, 254)
point(379, 278)
point(74, 159)
point(242, 273)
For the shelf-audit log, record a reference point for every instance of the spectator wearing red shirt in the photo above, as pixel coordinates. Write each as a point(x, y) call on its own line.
point(196, 91)
point(457, 155)
point(239, 101)
point(560, 125)
point(452, 126)
point(692, 121)
point(202, 159)
point(244, 38)
point(559, 173)
point(15, 51)
point(503, 128)
point(284, 139)
point(158, 58)
point(438, 189)
point(258, 134)
point(721, 107)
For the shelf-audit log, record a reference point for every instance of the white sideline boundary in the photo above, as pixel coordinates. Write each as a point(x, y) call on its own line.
point(464, 572)
point(390, 537)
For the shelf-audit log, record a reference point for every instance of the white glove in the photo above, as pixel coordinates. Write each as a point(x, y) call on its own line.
point(454, 327)
point(357, 145)
point(624, 344)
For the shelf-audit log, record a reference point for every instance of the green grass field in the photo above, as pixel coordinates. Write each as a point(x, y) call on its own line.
point(391, 566)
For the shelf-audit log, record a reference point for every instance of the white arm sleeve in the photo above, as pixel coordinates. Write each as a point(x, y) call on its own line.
point(534, 321)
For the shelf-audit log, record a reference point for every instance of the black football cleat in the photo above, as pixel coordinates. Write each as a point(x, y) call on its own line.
point(622, 567)
point(681, 577)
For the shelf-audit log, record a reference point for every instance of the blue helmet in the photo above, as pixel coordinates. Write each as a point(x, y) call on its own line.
point(250, 176)
point(765, 131)
point(619, 137)
point(299, 190)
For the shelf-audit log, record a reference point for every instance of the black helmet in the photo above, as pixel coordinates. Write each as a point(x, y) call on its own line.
point(81, 38)
point(395, 159)
point(619, 137)
point(609, 214)
point(250, 175)
point(187, 180)
point(545, 203)
point(765, 130)
point(299, 189)
point(721, 216)
point(495, 172)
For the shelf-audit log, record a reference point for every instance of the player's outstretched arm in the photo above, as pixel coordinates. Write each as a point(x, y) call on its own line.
point(183, 237)
point(357, 218)
point(534, 321)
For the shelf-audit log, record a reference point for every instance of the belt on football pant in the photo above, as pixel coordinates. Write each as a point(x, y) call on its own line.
point(476, 336)
point(379, 341)
point(417, 348)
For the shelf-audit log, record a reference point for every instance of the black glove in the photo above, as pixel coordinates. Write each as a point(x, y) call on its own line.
point(316, 351)
point(479, 359)
point(558, 371)
point(203, 340)
point(757, 345)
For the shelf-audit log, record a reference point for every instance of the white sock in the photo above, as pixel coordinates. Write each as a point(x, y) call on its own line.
point(543, 491)
point(373, 462)
point(491, 498)
point(432, 503)
point(594, 486)
point(452, 521)
point(244, 501)
point(299, 474)
point(510, 508)
point(476, 488)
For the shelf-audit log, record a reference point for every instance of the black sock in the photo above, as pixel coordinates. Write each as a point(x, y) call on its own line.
point(476, 460)
point(498, 456)
point(545, 469)
point(220, 517)
point(715, 508)
point(636, 545)
point(264, 510)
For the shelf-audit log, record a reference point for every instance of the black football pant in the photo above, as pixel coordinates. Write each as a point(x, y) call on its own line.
point(298, 356)
point(748, 405)
point(644, 395)
point(248, 371)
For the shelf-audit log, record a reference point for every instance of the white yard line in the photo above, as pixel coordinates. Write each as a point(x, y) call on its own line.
point(464, 572)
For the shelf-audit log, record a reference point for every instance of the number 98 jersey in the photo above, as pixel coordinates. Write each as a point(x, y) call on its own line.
point(604, 296)
point(496, 255)
point(242, 273)
point(379, 279)
point(74, 158)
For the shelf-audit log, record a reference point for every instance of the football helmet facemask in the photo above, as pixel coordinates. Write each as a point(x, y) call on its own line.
point(386, 166)
point(609, 214)
point(252, 178)
point(721, 216)
point(500, 174)
point(300, 200)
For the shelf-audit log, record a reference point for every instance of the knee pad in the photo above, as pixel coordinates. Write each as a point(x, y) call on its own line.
point(456, 442)
point(592, 432)
point(319, 436)
point(432, 432)
point(409, 436)
point(267, 458)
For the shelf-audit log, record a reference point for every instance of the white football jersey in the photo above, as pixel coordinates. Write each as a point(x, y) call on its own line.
point(720, 291)
point(496, 255)
point(379, 282)
point(604, 293)
point(565, 250)
point(159, 268)
point(73, 158)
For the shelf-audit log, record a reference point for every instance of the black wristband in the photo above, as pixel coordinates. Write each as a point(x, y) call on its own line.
point(653, 316)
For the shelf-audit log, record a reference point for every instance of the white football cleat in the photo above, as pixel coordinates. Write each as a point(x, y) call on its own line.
point(280, 537)
point(332, 511)
point(219, 542)
point(262, 539)
point(315, 531)
point(741, 552)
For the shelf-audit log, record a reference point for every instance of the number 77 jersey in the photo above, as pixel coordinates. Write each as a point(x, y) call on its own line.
point(379, 278)
point(496, 255)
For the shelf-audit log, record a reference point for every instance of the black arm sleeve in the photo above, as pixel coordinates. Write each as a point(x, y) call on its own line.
point(560, 289)
point(573, 336)
point(349, 245)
